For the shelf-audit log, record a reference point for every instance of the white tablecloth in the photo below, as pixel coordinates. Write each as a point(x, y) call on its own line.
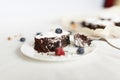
point(103, 64)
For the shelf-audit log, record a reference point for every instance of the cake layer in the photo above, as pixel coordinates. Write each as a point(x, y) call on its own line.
point(50, 41)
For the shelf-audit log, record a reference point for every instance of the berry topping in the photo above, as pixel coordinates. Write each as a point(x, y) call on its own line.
point(22, 39)
point(59, 51)
point(80, 50)
point(39, 33)
point(58, 31)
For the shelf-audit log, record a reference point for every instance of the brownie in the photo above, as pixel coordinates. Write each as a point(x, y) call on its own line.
point(49, 44)
point(92, 26)
point(117, 24)
point(114, 20)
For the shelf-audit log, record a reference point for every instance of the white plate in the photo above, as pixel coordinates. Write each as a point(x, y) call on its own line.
point(70, 53)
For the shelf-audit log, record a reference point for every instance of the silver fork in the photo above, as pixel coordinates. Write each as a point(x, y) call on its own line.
point(103, 39)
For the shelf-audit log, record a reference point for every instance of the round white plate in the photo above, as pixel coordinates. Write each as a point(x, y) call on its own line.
point(70, 53)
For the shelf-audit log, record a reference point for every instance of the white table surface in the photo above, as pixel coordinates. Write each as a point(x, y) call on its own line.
point(103, 64)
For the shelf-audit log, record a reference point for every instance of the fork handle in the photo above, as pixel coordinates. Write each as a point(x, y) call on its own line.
point(103, 39)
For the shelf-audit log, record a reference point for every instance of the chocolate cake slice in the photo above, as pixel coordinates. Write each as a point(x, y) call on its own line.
point(95, 23)
point(49, 41)
point(81, 40)
point(92, 26)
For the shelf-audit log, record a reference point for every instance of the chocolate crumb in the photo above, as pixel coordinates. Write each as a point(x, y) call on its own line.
point(9, 38)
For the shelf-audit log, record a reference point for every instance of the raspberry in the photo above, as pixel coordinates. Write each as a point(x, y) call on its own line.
point(59, 51)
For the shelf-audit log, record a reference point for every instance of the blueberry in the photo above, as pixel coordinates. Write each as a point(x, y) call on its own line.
point(80, 50)
point(58, 31)
point(38, 33)
point(22, 39)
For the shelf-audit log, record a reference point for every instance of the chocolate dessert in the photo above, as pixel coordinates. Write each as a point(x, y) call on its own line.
point(113, 19)
point(92, 26)
point(82, 40)
point(116, 21)
point(117, 24)
point(49, 41)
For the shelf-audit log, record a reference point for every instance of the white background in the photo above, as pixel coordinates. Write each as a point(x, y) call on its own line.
point(23, 16)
